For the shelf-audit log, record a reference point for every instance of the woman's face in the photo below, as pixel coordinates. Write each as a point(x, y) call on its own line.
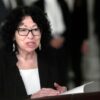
point(28, 35)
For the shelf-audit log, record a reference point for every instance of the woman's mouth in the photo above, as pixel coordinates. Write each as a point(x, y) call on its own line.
point(31, 44)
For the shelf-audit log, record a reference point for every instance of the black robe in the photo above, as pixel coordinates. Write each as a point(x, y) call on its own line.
point(11, 84)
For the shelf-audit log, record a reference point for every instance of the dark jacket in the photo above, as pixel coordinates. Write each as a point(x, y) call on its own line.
point(96, 15)
point(79, 23)
point(11, 84)
point(59, 55)
point(3, 11)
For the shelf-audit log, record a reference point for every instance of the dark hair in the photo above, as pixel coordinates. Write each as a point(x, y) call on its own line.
point(13, 20)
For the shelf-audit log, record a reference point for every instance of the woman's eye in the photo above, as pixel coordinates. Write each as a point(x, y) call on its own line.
point(23, 30)
point(36, 29)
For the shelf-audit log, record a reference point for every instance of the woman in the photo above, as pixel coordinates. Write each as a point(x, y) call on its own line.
point(24, 69)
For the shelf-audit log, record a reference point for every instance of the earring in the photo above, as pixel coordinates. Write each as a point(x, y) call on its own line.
point(40, 47)
point(13, 47)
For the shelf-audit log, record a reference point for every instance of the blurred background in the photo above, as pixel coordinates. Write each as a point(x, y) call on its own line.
point(80, 17)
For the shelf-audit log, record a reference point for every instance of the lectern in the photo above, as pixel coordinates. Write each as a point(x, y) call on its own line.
point(79, 96)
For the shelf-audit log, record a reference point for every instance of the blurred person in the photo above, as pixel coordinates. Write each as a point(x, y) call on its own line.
point(78, 39)
point(3, 10)
point(96, 17)
point(58, 14)
point(24, 70)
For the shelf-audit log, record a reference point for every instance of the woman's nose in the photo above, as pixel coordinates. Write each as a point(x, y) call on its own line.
point(30, 35)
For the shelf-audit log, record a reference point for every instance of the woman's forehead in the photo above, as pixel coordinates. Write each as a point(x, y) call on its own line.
point(27, 21)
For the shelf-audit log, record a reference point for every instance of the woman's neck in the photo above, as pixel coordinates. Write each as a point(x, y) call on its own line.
point(27, 60)
point(26, 55)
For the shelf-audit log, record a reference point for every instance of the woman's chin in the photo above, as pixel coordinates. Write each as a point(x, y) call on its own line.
point(30, 50)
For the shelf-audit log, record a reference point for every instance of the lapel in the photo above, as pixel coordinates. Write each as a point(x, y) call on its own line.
point(43, 71)
point(47, 71)
point(14, 79)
